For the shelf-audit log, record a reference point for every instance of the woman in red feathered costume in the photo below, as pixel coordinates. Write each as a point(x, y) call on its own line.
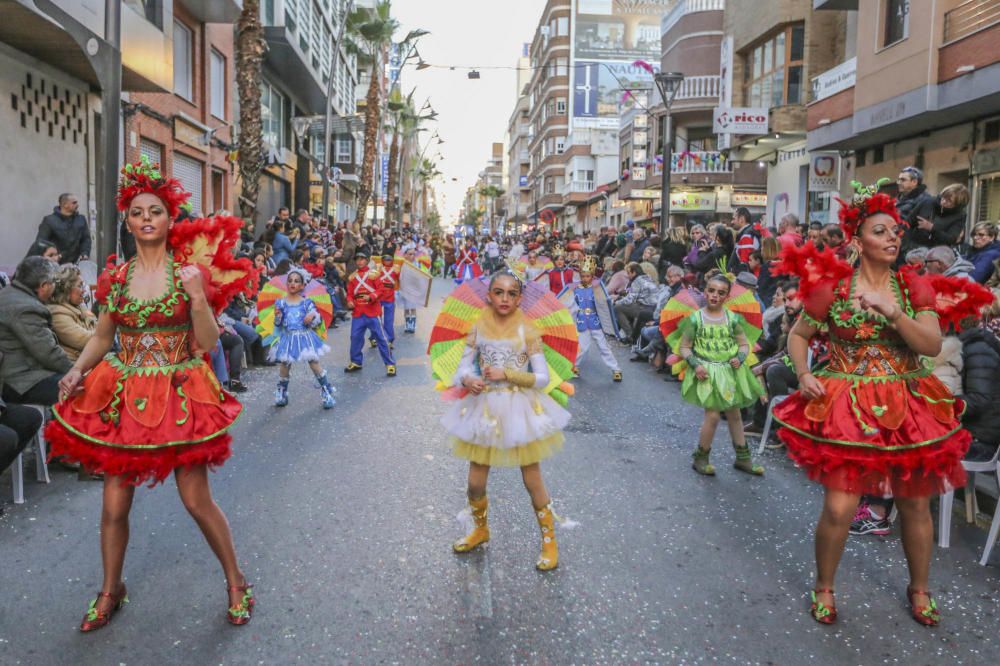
point(874, 420)
point(155, 407)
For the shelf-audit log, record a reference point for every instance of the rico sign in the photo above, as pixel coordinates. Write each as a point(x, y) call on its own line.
point(739, 120)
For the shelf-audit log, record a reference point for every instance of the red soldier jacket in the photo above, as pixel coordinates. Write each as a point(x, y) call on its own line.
point(560, 278)
point(364, 292)
point(389, 280)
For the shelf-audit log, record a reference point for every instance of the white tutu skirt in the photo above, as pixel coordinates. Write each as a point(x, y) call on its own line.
point(506, 427)
point(300, 345)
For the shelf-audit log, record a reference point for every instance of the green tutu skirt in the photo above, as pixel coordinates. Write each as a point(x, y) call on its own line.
point(724, 389)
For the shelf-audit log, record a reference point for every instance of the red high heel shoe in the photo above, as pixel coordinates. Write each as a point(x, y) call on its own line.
point(821, 612)
point(926, 615)
point(243, 611)
point(95, 619)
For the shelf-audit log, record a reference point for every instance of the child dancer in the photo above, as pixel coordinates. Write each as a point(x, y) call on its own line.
point(295, 321)
point(505, 419)
point(588, 320)
point(409, 309)
point(364, 300)
point(389, 277)
point(714, 345)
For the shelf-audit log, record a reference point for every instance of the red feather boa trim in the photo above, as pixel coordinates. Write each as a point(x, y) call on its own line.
point(956, 299)
point(853, 213)
point(813, 267)
point(135, 466)
point(223, 261)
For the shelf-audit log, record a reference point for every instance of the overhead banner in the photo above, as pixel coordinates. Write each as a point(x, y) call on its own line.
point(681, 202)
point(740, 120)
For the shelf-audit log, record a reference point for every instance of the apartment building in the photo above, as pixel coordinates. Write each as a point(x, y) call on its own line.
point(189, 130)
point(518, 163)
point(300, 36)
point(52, 119)
point(914, 84)
point(777, 48)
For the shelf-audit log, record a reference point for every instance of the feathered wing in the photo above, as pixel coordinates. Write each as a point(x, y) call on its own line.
point(681, 305)
point(211, 242)
point(742, 301)
point(955, 299)
point(463, 308)
point(816, 269)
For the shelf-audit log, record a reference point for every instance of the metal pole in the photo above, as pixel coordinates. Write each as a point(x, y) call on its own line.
point(107, 152)
point(665, 174)
point(607, 209)
point(328, 129)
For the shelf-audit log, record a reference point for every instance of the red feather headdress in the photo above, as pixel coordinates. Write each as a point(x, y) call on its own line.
point(144, 177)
point(867, 201)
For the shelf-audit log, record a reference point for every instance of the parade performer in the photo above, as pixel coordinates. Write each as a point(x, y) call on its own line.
point(595, 318)
point(364, 299)
point(294, 313)
point(504, 352)
point(155, 407)
point(388, 275)
point(714, 344)
point(531, 267)
point(561, 276)
point(466, 264)
point(874, 420)
point(410, 307)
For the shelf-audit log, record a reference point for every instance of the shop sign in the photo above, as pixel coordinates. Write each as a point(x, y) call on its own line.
point(644, 194)
point(833, 81)
point(739, 120)
point(522, 181)
point(749, 199)
point(692, 201)
point(824, 172)
point(639, 155)
point(986, 161)
point(638, 173)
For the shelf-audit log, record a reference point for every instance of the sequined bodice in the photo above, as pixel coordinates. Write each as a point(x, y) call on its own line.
point(154, 348)
point(503, 354)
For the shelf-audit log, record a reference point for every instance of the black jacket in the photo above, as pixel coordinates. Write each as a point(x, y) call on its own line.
point(914, 204)
point(70, 234)
point(981, 384)
point(948, 226)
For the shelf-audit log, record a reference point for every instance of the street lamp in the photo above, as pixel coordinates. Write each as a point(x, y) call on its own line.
point(668, 84)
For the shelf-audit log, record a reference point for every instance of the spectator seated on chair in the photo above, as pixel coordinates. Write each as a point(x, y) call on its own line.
point(637, 305)
point(18, 425)
point(651, 342)
point(33, 362)
point(981, 390)
point(73, 324)
point(776, 370)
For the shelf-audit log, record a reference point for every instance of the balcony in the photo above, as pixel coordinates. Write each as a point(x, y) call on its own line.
point(699, 87)
point(578, 186)
point(970, 17)
point(524, 157)
point(685, 7)
point(214, 11)
point(700, 161)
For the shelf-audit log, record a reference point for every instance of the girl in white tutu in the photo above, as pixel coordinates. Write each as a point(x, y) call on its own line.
point(505, 419)
point(296, 319)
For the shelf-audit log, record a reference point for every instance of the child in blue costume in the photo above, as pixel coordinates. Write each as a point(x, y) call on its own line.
point(295, 321)
point(588, 320)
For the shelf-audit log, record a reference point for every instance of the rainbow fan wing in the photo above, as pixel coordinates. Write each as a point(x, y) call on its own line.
point(275, 289)
point(677, 308)
point(463, 307)
point(743, 302)
point(560, 341)
point(316, 292)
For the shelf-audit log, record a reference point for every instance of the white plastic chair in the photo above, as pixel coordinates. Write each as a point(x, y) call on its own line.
point(41, 468)
point(776, 400)
point(971, 505)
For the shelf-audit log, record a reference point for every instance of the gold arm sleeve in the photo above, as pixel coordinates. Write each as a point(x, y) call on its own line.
point(520, 377)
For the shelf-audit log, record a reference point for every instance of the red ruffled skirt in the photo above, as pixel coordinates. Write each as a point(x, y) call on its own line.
point(883, 437)
point(143, 423)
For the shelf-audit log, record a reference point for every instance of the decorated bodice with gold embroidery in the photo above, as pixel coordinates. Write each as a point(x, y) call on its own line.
point(863, 343)
point(153, 333)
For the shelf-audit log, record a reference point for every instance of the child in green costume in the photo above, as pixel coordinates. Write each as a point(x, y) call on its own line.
point(715, 346)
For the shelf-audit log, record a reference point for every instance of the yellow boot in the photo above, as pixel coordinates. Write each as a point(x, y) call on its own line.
point(480, 532)
point(549, 558)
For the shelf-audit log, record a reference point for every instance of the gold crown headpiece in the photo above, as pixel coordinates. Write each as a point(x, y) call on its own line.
point(589, 264)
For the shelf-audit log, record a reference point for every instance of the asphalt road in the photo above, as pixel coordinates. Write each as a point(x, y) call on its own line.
point(344, 520)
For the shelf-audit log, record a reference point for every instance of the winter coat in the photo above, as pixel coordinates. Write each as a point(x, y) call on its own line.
point(642, 291)
point(73, 326)
point(948, 364)
point(70, 234)
point(28, 345)
point(914, 204)
point(637, 250)
point(982, 261)
point(283, 247)
point(767, 284)
point(948, 226)
point(961, 268)
point(981, 384)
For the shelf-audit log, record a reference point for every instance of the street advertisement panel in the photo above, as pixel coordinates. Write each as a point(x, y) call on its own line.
point(824, 172)
point(835, 80)
point(616, 49)
point(624, 30)
point(599, 91)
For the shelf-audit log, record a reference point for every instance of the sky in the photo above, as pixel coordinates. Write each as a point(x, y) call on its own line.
point(472, 114)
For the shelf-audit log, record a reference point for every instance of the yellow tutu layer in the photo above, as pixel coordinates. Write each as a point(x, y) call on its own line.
point(518, 456)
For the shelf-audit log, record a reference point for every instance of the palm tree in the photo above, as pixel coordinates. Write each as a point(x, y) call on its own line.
point(424, 172)
point(403, 118)
point(250, 49)
point(370, 32)
point(492, 192)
